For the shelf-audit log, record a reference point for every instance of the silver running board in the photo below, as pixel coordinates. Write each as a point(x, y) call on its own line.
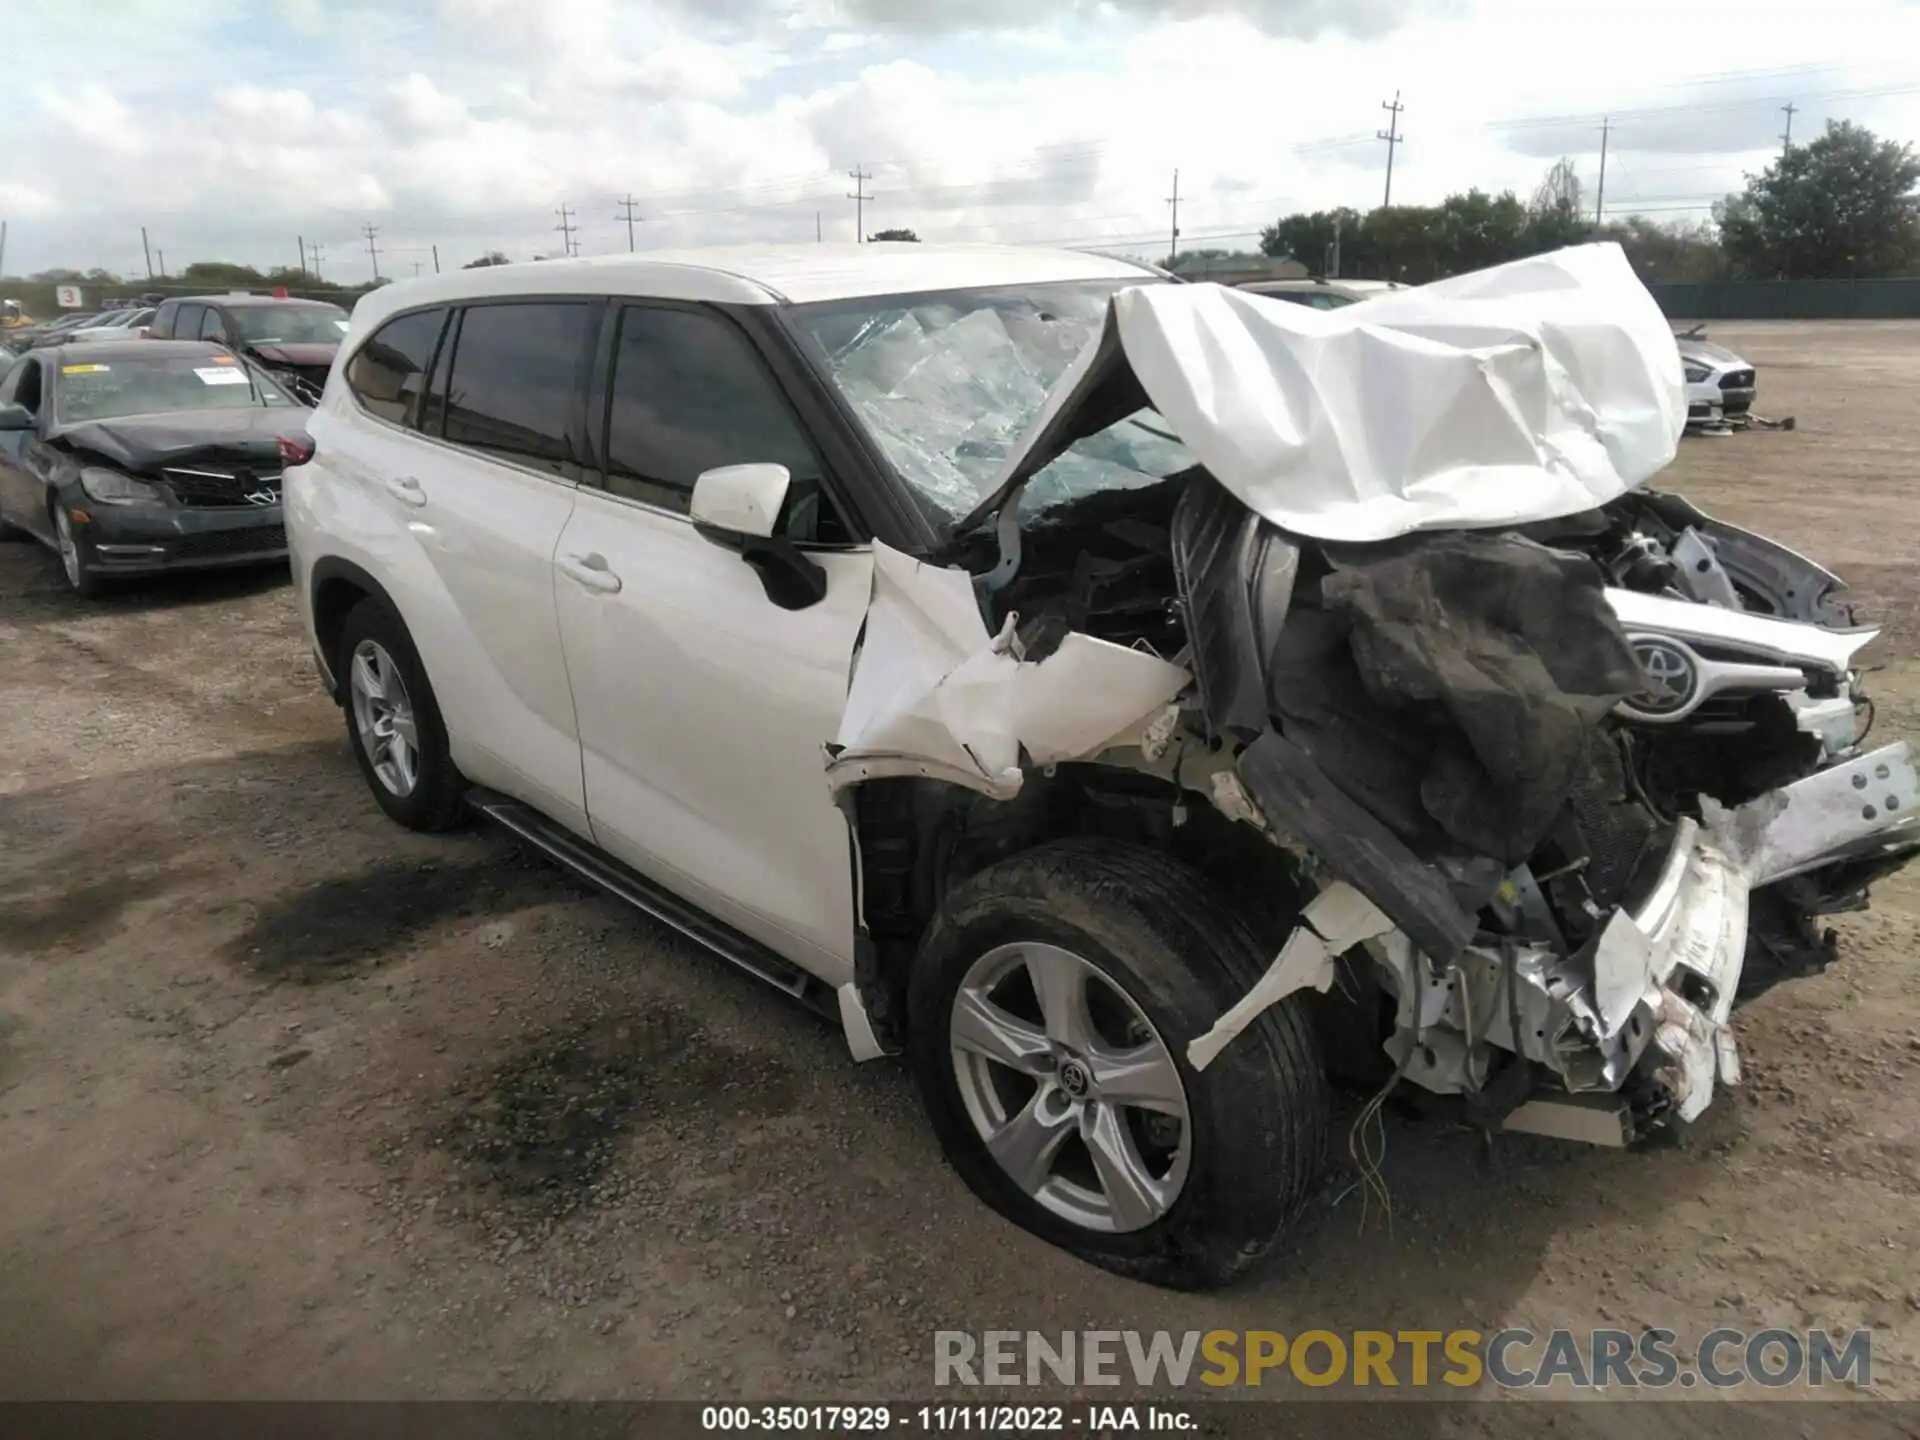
point(591, 863)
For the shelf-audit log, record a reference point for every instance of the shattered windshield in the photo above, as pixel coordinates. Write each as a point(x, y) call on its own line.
point(290, 324)
point(947, 383)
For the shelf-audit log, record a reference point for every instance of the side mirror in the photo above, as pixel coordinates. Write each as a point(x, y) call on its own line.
point(15, 417)
point(740, 499)
point(738, 506)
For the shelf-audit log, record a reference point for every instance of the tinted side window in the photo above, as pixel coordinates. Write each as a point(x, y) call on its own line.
point(515, 378)
point(23, 385)
point(213, 326)
point(162, 327)
point(432, 418)
point(186, 323)
point(689, 394)
point(388, 373)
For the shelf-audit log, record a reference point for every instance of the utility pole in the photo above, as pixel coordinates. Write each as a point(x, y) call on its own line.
point(373, 255)
point(566, 228)
point(1333, 272)
point(1786, 140)
point(1600, 203)
point(301, 241)
point(1173, 240)
point(817, 237)
point(416, 269)
point(1394, 139)
point(859, 175)
point(859, 197)
point(313, 250)
point(146, 252)
point(436, 259)
point(627, 205)
point(161, 256)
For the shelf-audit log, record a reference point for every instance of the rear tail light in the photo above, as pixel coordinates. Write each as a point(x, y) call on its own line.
point(297, 451)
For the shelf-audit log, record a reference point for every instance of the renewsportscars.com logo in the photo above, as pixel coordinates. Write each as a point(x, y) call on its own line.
point(1463, 1359)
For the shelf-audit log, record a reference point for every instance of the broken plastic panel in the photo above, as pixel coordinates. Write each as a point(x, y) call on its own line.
point(933, 693)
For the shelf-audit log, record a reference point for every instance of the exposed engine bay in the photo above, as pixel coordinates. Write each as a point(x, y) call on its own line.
point(1559, 791)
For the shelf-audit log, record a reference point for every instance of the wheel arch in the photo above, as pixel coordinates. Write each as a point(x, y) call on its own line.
point(918, 840)
point(335, 587)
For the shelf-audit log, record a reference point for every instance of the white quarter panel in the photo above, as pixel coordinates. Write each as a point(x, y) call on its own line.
point(704, 709)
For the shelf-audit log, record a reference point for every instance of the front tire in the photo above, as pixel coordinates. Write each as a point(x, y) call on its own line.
point(1049, 1015)
point(393, 721)
point(73, 555)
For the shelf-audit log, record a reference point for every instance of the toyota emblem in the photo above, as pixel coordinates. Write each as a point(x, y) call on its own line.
point(1671, 676)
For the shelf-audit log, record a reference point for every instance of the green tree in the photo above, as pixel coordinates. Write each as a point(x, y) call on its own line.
point(1842, 205)
point(99, 276)
point(1309, 238)
point(57, 276)
point(895, 234)
point(220, 272)
point(492, 257)
point(1686, 250)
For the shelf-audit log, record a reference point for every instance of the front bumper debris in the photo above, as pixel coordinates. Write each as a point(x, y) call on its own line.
point(1643, 1014)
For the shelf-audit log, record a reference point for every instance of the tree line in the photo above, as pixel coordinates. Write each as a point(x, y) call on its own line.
point(1841, 206)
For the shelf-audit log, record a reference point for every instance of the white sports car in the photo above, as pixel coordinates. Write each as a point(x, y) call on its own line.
point(1719, 383)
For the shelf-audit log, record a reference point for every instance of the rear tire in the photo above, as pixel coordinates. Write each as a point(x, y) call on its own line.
point(393, 720)
point(1149, 930)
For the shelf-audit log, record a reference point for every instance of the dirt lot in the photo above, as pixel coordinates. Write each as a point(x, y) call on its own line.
point(294, 1103)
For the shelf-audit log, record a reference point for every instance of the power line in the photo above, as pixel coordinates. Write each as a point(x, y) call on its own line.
point(373, 255)
point(1393, 138)
point(859, 176)
point(1529, 122)
point(626, 207)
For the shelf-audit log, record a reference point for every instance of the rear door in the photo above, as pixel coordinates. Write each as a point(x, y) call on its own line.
point(703, 706)
point(466, 490)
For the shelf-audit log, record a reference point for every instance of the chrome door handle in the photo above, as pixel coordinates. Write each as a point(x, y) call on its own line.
point(406, 489)
point(590, 571)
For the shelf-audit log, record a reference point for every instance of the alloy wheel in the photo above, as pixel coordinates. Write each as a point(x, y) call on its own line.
point(69, 546)
point(384, 717)
point(1070, 1087)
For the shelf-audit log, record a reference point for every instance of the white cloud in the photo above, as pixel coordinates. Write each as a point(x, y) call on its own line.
point(467, 125)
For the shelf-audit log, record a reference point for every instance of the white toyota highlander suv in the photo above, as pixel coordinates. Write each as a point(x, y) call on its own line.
point(1140, 705)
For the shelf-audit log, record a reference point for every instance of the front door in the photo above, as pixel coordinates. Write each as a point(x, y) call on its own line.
point(23, 488)
point(703, 707)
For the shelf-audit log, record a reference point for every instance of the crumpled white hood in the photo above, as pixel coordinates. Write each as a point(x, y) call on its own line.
point(1521, 393)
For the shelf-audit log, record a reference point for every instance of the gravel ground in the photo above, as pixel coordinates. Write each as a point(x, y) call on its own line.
point(294, 1103)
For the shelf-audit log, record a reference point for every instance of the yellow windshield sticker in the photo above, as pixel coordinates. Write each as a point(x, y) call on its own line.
point(82, 369)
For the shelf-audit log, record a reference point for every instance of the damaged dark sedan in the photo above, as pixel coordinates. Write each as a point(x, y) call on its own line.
point(133, 457)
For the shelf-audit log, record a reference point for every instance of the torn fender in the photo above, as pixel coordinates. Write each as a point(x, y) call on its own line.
point(933, 693)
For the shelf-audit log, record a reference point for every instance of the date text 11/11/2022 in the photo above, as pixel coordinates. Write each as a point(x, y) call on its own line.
point(1089, 1420)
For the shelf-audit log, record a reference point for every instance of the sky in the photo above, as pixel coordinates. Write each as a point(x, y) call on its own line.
point(243, 130)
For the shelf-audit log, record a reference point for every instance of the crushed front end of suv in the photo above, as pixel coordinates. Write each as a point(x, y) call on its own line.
point(1563, 769)
point(1217, 697)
